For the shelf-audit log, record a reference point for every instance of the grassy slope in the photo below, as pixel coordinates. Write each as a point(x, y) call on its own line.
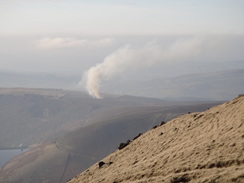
point(197, 147)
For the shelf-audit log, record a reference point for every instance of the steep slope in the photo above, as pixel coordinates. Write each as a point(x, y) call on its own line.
point(197, 147)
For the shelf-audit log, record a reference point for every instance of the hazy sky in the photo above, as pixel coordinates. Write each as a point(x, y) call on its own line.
point(109, 17)
point(71, 36)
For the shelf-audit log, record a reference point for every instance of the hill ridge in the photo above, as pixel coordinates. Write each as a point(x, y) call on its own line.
point(196, 147)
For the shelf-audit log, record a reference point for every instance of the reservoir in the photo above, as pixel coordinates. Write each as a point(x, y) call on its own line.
point(7, 154)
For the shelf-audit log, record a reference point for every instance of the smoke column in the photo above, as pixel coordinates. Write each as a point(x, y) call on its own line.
point(129, 58)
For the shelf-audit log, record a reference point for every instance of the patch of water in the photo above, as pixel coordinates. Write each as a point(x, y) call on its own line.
point(7, 154)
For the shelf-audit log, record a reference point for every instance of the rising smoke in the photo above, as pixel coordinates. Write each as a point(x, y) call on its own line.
point(134, 58)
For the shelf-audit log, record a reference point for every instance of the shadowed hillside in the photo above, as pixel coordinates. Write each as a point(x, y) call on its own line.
point(30, 116)
point(197, 147)
point(33, 116)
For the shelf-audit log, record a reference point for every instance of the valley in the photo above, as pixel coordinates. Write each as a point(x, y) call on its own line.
point(71, 130)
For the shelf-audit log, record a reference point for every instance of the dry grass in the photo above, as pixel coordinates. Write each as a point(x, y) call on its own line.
point(198, 147)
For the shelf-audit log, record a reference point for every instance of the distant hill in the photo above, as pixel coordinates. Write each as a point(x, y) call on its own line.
point(218, 85)
point(197, 147)
point(77, 130)
point(32, 116)
point(221, 85)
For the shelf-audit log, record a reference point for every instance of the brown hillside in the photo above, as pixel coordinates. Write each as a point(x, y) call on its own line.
point(197, 147)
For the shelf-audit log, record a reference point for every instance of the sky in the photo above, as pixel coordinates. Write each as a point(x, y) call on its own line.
point(112, 38)
point(111, 17)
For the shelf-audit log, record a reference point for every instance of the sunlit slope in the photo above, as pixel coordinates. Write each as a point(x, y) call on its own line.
point(79, 149)
point(197, 147)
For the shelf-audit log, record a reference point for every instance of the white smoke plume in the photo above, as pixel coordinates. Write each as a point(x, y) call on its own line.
point(131, 58)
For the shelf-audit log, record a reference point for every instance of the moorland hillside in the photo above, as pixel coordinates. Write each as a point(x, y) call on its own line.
point(197, 147)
